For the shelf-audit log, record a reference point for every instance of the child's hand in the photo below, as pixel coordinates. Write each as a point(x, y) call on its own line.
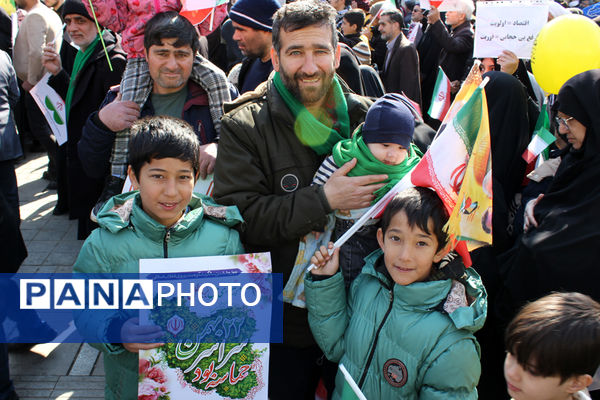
point(325, 263)
point(133, 335)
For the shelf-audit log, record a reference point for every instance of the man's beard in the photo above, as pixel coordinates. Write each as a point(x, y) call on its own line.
point(307, 96)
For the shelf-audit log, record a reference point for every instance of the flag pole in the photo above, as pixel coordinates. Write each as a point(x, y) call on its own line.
point(100, 34)
point(212, 18)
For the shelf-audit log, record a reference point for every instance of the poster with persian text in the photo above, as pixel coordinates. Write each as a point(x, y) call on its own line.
point(186, 370)
point(508, 25)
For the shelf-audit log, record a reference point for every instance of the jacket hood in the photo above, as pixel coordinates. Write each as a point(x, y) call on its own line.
point(125, 211)
point(430, 295)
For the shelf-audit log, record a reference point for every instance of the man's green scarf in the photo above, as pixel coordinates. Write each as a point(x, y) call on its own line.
point(323, 133)
point(80, 60)
point(367, 164)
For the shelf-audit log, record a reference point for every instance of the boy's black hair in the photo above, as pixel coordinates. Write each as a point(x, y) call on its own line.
point(170, 25)
point(355, 17)
point(155, 138)
point(302, 14)
point(557, 335)
point(419, 204)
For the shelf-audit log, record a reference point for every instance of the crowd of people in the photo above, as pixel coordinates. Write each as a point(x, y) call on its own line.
point(303, 115)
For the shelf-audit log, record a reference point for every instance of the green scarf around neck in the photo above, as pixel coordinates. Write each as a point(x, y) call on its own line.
point(80, 60)
point(323, 133)
point(367, 164)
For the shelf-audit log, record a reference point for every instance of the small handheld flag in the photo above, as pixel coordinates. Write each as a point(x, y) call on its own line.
point(542, 138)
point(441, 97)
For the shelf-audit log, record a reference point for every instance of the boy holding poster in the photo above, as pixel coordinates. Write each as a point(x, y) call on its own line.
point(163, 219)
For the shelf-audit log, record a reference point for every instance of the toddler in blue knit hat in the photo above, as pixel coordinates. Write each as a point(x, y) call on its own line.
point(381, 145)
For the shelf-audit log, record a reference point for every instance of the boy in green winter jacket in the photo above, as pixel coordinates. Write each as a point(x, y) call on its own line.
point(405, 329)
point(164, 219)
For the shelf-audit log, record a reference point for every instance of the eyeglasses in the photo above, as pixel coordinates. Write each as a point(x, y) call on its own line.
point(562, 121)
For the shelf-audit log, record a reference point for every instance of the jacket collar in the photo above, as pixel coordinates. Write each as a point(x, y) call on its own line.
point(196, 96)
point(463, 26)
point(427, 296)
point(125, 212)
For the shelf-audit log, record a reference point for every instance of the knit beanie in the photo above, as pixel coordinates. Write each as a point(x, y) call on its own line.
point(389, 121)
point(75, 7)
point(256, 14)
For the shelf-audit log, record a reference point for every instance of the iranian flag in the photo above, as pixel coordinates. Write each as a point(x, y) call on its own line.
point(206, 14)
point(458, 167)
point(542, 138)
point(350, 390)
point(440, 103)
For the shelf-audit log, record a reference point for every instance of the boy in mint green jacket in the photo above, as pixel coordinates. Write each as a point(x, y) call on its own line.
point(163, 219)
point(405, 329)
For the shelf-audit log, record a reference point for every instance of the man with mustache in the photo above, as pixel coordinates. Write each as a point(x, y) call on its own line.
point(272, 143)
point(171, 46)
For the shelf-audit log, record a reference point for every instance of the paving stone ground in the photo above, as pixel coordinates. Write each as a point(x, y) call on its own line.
point(51, 371)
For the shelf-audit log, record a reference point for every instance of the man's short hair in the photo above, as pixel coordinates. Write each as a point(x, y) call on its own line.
point(169, 25)
point(355, 17)
point(557, 335)
point(466, 7)
point(162, 137)
point(395, 16)
point(419, 204)
point(301, 14)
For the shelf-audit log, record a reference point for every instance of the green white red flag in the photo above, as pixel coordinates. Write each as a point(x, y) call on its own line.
point(542, 138)
point(440, 102)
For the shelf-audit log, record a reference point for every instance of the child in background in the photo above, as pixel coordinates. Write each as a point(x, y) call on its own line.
point(164, 219)
point(352, 24)
point(553, 348)
point(382, 145)
point(405, 328)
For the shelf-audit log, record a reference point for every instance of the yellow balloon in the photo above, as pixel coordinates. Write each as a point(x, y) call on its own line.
point(565, 47)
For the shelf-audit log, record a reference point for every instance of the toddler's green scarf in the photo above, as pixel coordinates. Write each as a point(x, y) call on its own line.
point(323, 133)
point(80, 59)
point(367, 164)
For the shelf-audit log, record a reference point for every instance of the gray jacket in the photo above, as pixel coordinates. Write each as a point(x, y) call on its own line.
point(10, 146)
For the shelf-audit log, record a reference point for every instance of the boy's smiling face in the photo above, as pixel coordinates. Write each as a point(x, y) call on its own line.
point(166, 187)
point(524, 385)
point(409, 252)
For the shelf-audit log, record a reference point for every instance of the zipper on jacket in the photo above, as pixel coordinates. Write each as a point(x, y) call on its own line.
point(166, 243)
point(372, 352)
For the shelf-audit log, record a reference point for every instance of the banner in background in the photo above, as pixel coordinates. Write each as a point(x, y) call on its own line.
point(508, 25)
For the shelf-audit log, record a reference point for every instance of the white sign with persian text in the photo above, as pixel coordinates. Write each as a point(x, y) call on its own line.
point(508, 25)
